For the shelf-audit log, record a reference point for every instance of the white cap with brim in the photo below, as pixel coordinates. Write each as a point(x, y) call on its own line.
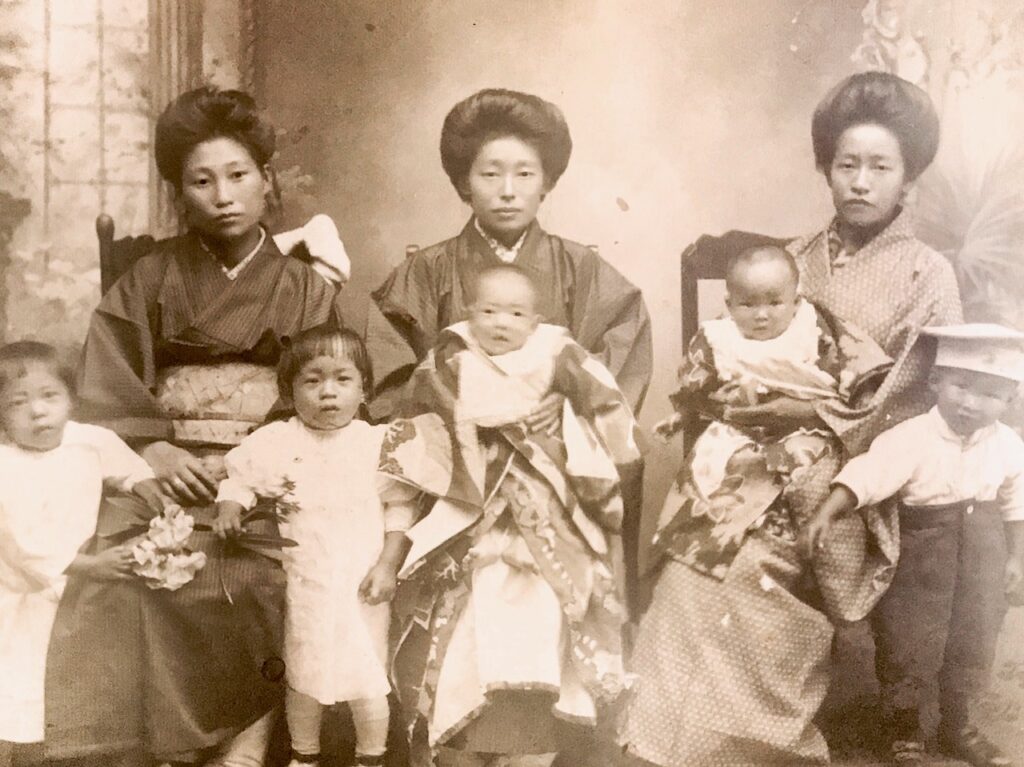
point(981, 347)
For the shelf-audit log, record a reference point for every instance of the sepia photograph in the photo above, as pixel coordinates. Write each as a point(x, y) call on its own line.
point(537, 383)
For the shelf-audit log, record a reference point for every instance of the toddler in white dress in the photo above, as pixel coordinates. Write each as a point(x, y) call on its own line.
point(322, 462)
point(53, 471)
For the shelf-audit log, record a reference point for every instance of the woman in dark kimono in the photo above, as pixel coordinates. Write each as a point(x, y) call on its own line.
point(179, 361)
point(504, 151)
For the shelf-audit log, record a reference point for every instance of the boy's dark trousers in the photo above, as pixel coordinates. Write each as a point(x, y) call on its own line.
point(941, 616)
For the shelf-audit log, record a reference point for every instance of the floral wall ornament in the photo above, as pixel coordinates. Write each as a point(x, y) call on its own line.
point(887, 46)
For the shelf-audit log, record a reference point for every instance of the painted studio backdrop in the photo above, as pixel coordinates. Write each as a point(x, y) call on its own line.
point(688, 117)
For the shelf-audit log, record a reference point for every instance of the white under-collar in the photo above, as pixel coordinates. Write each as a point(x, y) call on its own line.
point(234, 271)
point(508, 255)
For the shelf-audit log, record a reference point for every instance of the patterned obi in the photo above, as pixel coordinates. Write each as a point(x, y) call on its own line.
point(216, 404)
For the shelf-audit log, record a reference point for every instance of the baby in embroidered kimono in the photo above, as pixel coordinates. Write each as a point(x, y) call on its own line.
point(759, 375)
point(521, 539)
point(517, 369)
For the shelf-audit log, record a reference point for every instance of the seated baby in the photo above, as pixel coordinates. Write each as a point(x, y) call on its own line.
point(758, 375)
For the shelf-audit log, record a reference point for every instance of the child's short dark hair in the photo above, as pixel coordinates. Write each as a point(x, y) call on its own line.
point(759, 254)
point(497, 270)
point(16, 357)
point(322, 341)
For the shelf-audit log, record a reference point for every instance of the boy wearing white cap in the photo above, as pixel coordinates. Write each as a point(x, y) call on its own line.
point(958, 473)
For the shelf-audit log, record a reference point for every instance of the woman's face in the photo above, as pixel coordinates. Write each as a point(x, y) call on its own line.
point(867, 177)
point(505, 187)
point(223, 189)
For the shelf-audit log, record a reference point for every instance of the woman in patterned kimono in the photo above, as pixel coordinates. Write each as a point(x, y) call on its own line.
point(179, 361)
point(733, 671)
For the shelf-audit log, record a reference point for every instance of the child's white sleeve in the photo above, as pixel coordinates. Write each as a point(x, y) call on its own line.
point(399, 516)
point(243, 467)
point(882, 471)
point(399, 502)
point(118, 462)
point(1011, 492)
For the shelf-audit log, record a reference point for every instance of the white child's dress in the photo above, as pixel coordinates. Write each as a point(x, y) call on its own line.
point(335, 644)
point(49, 503)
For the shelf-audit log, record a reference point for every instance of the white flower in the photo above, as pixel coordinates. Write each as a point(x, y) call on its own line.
point(161, 557)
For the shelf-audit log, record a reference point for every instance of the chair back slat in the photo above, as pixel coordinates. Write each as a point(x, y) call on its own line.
point(117, 256)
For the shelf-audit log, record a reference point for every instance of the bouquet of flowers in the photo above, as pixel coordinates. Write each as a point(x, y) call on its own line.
point(161, 556)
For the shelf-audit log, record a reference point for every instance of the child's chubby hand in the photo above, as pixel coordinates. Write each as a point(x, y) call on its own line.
point(1013, 581)
point(229, 519)
point(812, 535)
point(667, 428)
point(114, 564)
point(378, 585)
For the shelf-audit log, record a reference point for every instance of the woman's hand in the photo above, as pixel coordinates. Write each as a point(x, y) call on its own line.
point(181, 474)
point(114, 564)
point(379, 584)
point(152, 493)
point(229, 519)
point(778, 414)
point(547, 416)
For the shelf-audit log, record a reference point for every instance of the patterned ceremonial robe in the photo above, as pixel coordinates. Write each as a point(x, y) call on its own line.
point(736, 474)
point(509, 582)
point(177, 350)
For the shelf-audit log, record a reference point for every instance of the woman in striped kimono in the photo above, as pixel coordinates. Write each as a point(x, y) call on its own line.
point(179, 361)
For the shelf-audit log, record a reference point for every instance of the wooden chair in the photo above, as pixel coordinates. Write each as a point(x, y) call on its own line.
point(706, 259)
point(116, 256)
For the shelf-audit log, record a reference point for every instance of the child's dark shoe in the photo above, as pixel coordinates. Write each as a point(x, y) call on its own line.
point(368, 761)
point(906, 753)
point(972, 747)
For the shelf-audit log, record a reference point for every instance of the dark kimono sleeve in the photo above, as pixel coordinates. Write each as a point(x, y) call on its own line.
point(117, 372)
point(610, 320)
point(401, 327)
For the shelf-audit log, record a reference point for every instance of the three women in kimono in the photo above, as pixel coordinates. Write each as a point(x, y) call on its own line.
point(733, 670)
point(179, 361)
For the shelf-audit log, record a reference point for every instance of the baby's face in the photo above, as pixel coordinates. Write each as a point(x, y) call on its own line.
point(762, 299)
point(504, 313)
point(35, 407)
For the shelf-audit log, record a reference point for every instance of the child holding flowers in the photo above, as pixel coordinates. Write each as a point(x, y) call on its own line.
point(53, 473)
point(317, 471)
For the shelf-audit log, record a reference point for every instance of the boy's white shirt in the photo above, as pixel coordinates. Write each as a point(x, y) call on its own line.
point(926, 463)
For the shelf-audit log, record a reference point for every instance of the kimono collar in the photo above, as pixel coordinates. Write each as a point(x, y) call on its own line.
point(947, 434)
point(234, 271)
point(900, 228)
point(508, 255)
